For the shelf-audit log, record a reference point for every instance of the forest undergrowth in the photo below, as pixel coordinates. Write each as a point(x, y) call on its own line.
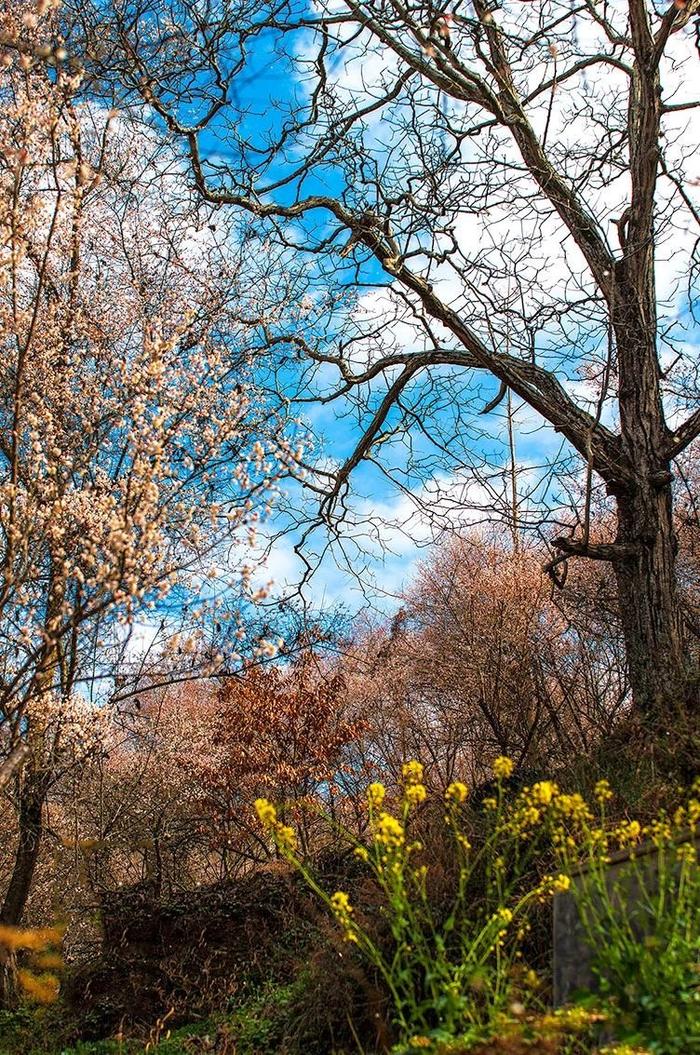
point(431, 931)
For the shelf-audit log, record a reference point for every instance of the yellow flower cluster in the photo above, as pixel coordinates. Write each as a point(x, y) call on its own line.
point(284, 836)
point(544, 801)
point(687, 816)
point(376, 794)
point(343, 910)
point(340, 903)
point(628, 833)
point(659, 831)
point(503, 767)
point(456, 792)
point(542, 793)
point(687, 852)
point(267, 814)
point(414, 791)
point(603, 792)
point(529, 807)
point(388, 832)
point(574, 807)
point(414, 794)
point(504, 916)
point(523, 819)
point(551, 885)
point(412, 772)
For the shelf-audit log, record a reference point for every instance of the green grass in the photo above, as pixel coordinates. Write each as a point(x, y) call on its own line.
point(257, 1026)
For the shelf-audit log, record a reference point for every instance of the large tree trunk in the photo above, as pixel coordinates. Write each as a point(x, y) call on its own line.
point(650, 609)
point(647, 579)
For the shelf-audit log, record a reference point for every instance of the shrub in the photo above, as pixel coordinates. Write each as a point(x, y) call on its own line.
point(459, 974)
point(638, 899)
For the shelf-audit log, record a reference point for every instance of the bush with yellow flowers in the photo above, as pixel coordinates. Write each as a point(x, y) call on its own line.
point(458, 976)
point(37, 979)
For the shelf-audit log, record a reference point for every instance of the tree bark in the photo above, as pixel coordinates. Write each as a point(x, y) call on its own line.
point(30, 819)
point(647, 576)
point(647, 579)
point(31, 807)
point(650, 609)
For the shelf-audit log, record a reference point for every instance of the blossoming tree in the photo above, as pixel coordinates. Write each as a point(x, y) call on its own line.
point(134, 451)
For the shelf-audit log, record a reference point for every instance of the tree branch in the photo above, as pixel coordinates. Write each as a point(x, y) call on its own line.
point(608, 551)
point(684, 435)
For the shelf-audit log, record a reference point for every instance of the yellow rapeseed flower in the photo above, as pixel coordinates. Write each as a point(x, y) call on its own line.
point(412, 772)
point(415, 794)
point(388, 832)
point(362, 853)
point(343, 910)
point(503, 767)
point(375, 795)
point(687, 852)
point(574, 807)
point(526, 818)
point(340, 903)
point(602, 791)
point(628, 832)
point(551, 885)
point(542, 793)
point(659, 830)
point(456, 792)
point(504, 916)
point(285, 837)
point(267, 814)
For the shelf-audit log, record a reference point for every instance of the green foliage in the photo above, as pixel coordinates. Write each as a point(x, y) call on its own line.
point(644, 923)
point(450, 973)
point(256, 1027)
point(454, 967)
point(460, 975)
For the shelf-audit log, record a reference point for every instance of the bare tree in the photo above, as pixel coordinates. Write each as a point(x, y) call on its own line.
point(481, 660)
point(512, 199)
